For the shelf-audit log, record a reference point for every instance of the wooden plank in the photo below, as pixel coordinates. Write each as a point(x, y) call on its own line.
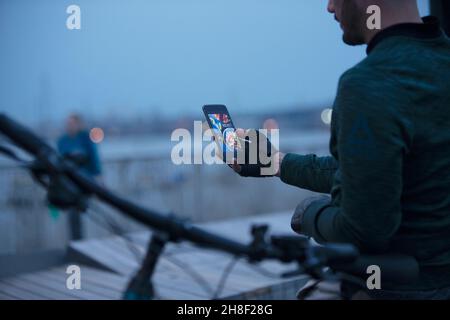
point(115, 254)
point(23, 288)
point(112, 255)
point(165, 283)
point(60, 288)
point(101, 253)
point(215, 259)
point(44, 291)
point(60, 277)
point(5, 296)
point(51, 284)
point(174, 294)
point(212, 275)
point(177, 280)
point(236, 281)
point(218, 259)
point(119, 283)
point(120, 248)
point(19, 293)
point(210, 266)
point(102, 279)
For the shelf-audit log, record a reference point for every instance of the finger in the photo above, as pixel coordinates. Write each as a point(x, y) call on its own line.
point(240, 133)
point(251, 134)
point(237, 168)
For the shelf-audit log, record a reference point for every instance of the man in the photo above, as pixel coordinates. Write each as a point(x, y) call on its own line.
point(76, 146)
point(389, 173)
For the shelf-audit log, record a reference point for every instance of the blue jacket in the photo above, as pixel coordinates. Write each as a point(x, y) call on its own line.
point(85, 151)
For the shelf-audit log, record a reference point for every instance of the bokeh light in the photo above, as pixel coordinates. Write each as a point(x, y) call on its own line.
point(270, 124)
point(326, 116)
point(97, 135)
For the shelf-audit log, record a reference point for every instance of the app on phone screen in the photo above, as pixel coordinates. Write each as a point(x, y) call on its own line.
point(225, 132)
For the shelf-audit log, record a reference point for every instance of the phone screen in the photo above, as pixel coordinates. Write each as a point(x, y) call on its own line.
point(223, 129)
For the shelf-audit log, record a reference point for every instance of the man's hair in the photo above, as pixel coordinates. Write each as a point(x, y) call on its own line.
point(77, 117)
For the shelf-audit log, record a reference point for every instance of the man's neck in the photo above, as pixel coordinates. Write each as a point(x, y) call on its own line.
point(410, 15)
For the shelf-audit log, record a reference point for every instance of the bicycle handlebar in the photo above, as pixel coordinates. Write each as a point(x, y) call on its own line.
point(21, 136)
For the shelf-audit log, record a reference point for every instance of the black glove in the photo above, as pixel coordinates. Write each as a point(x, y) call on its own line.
point(256, 155)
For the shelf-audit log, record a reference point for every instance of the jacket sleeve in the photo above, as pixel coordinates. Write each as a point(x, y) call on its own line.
point(373, 137)
point(309, 172)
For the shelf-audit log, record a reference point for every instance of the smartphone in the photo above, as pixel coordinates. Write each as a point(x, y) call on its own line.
point(224, 131)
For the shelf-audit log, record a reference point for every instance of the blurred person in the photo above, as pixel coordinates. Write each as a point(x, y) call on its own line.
point(76, 146)
point(388, 176)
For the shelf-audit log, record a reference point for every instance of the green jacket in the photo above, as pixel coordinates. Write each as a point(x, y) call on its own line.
point(389, 173)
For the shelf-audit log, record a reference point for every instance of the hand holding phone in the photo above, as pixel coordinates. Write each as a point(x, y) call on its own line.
point(268, 160)
point(251, 155)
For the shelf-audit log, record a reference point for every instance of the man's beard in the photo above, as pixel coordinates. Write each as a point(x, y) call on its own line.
point(353, 39)
point(353, 23)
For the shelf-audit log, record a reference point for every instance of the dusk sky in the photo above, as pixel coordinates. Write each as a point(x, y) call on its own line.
point(168, 56)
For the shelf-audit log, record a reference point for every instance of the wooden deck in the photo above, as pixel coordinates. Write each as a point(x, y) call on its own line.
point(107, 264)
